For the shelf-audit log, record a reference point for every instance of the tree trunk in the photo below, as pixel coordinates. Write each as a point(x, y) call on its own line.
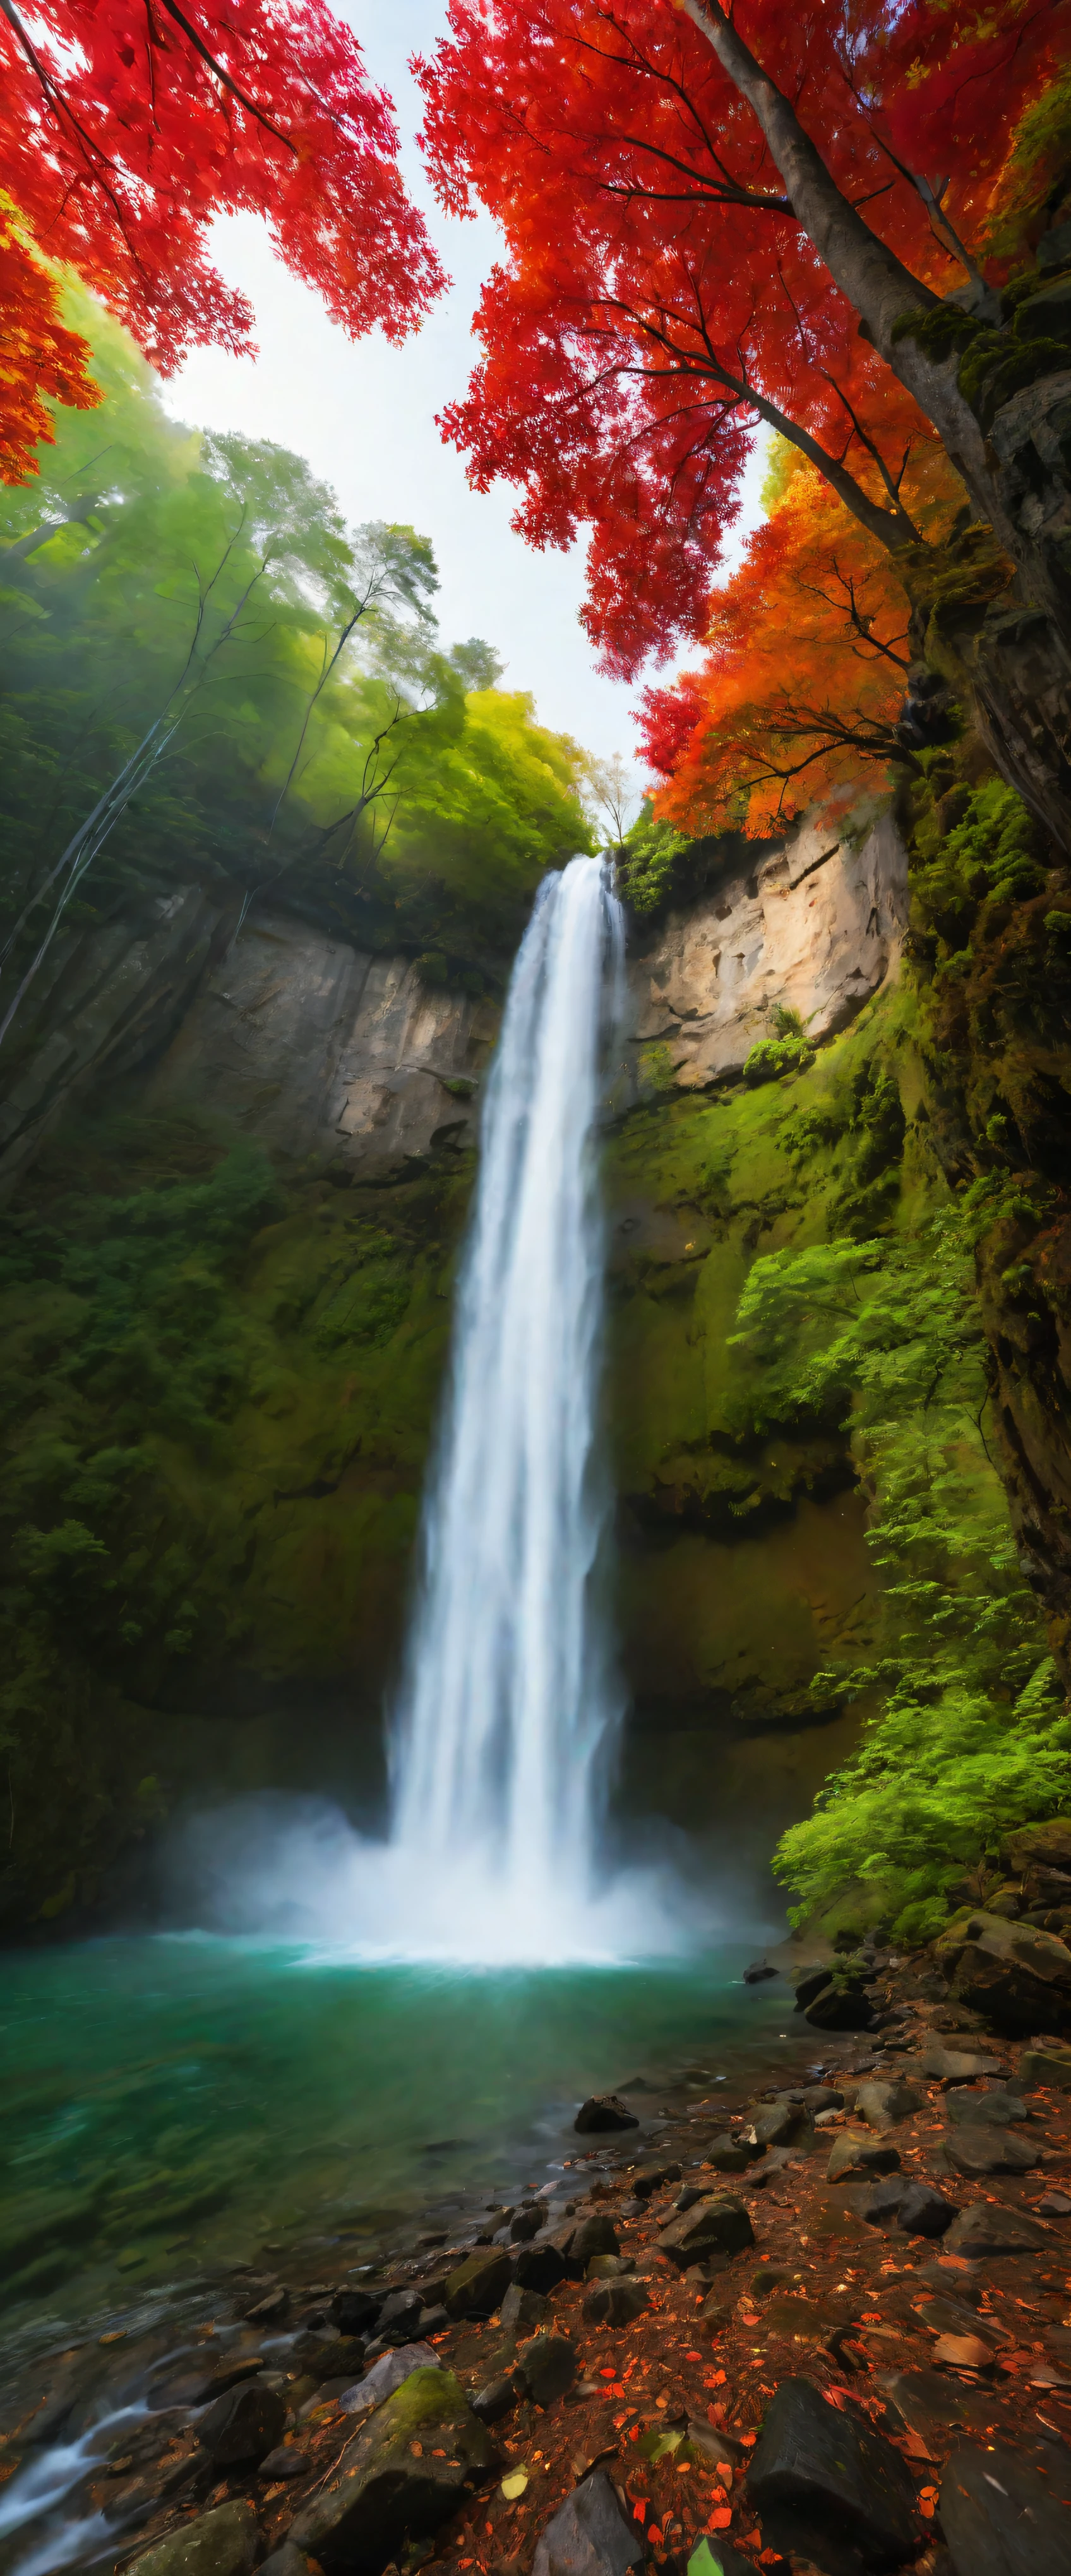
point(1010, 442)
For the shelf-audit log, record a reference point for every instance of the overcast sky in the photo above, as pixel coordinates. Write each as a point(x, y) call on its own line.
point(364, 416)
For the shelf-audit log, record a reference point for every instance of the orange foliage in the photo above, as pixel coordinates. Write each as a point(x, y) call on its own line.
point(805, 667)
point(38, 356)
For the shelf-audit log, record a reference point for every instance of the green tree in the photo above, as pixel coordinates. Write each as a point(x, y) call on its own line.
point(204, 670)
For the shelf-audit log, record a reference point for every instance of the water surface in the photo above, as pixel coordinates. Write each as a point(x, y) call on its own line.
point(171, 2102)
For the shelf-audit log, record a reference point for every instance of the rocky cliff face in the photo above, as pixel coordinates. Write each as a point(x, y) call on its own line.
point(332, 1055)
point(326, 1052)
point(274, 1392)
point(301, 1039)
point(816, 928)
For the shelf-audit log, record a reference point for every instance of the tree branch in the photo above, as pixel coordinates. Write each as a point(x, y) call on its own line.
point(867, 272)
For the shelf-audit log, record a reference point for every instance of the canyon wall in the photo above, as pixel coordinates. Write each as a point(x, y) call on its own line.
point(815, 927)
point(284, 1525)
point(299, 1038)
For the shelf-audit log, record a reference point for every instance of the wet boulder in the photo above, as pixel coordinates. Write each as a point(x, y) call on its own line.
point(604, 2111)
point(354, 2312)
point(809, 1982)
point(883, 2105)
point(399, 2316)
point(522, 2309)
point(855, 2152)
point(244, 2424)
point(999, 2518)
point(829, 2487)
point(225, 2542)
point(540, 2267)
point(497, 2398)
point(956, 2065)
point(387, 2374)
point(716, 2225)
point(841, 2005)
point(480, 2283)
point(985, 2228)
point(402, 2475)
point(1051, 2066)
point(883, 2206)
point(978, 2149)
point(1017, 1975)
point(526, 2223)
point(591, 2534)
point(547, 2365)
point(648, 2178)
point(924, 2211)
point(269, 2311)
point(994, 2110)
point(322, 2356)
point(591, 2236)
point(616, 2303)
point(777, 2124)
point(729, 2155)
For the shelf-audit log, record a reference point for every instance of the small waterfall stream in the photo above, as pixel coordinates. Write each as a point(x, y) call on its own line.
point(507, 1703)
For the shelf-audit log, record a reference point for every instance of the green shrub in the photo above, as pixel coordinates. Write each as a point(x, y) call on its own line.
point(969, 1734)
point(788, 1051)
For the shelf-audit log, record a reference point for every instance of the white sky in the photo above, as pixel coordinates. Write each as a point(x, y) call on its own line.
point(364, 416)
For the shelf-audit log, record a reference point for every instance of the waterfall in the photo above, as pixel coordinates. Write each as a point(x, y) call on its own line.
point(508, 1710)
point(507, 1704)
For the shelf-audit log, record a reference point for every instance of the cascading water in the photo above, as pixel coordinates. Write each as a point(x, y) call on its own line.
point(508, 1710)
point(508, 1703)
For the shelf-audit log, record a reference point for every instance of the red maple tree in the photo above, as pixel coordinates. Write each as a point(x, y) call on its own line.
point(126, 125)
point(39, 357)
point(682, 263)
point(802, 679)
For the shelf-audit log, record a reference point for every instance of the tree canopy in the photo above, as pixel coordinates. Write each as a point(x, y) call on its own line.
point(665, 287)
point(801, 687)
point(125, 130)
point(204, 670)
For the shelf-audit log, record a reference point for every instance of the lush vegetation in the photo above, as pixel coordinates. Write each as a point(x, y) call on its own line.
point(215, 1402)
point(204, 673)
point(970, 1736)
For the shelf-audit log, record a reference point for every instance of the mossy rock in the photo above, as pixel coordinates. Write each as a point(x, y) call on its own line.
point(399, 2479)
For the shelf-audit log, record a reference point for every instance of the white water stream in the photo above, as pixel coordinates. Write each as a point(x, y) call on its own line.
point(505, 1725)
point(508, 1704)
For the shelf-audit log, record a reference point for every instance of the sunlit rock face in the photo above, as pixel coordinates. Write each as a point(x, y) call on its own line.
point(815, 927)
point(318, 1047)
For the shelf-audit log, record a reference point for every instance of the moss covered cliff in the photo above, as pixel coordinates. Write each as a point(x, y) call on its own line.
point(217, 1389)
